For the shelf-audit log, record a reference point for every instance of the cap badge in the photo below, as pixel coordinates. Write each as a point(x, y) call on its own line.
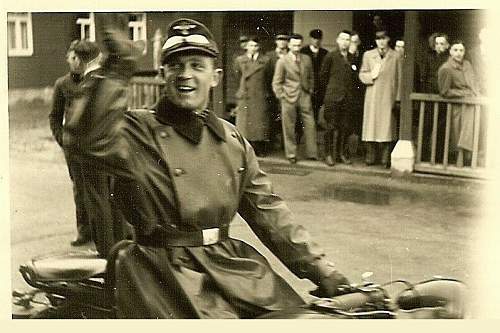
point(184, 29)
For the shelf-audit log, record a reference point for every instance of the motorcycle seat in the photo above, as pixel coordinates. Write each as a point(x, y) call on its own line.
point(73, 266)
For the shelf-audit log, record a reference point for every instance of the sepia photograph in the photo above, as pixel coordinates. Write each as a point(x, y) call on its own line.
point(255, 163)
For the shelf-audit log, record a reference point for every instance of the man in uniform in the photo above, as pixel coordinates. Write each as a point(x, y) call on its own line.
point(79, 54)
point(182, 174)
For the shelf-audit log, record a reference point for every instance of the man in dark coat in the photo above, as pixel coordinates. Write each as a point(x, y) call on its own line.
point(432, 61)
point(281, 40)
point(65, 89)
point(336, 94)
point(182, 175)
point(317, 54)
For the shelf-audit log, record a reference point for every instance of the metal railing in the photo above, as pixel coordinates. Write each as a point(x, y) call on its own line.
point(144, 91)
point(436, 152)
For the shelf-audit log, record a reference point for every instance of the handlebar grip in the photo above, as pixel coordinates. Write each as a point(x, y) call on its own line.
point(345, 302)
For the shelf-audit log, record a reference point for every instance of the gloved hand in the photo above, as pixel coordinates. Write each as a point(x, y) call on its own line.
point(332, 285)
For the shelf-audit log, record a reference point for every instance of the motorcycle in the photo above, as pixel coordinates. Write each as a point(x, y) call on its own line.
point(80, 285)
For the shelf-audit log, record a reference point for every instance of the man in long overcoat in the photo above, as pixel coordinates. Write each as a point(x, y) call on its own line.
point(182, 175)
point(253, 118)
point(381, 73)
point(456, 79)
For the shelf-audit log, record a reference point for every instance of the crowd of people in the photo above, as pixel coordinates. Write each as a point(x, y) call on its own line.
point(333, 101)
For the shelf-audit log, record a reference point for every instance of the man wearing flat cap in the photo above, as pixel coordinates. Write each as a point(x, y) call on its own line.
point(317, 54)
point(182, 175)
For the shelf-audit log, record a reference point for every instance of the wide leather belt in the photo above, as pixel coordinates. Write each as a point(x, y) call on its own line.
point(162, 237)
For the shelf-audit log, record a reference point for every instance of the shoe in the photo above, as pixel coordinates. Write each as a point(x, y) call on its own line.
point(292, 160)
point(345, 159)
point(80, 240)
point(329, 160)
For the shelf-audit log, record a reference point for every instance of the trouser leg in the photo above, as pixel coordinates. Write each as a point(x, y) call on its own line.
point(307, 117)
point(370, 152)
point(82, 219)
point(288, 120)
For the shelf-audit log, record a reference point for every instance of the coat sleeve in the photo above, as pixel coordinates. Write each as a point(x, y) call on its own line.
point(279, 78)
point(56, 115)
point(272, 221)
point(365, 73)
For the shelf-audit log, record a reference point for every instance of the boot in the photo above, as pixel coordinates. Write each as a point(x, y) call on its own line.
point(329, 157)
point(344, 153)
point(370, 153)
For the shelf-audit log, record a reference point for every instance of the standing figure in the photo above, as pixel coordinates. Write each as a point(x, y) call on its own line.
point(336, 94)
point(432, 61)
point(183, 174)
point(66, 89)
point(293, 85)
point(381, 73)
point(356, 114)
point(281, 41)
point(456, 79)
point(253, 118)
point(317, 54)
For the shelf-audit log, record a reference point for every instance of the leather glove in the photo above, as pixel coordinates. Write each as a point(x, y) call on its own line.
point(332, 285)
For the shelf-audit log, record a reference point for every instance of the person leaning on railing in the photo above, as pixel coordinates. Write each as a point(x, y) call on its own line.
point(456, 79)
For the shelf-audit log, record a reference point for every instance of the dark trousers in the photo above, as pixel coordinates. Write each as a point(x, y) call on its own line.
point(82, 218)
point(339, 127)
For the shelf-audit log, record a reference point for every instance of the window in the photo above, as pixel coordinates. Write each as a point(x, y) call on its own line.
point(87, 26)
point(19, 34)
point(137, 27)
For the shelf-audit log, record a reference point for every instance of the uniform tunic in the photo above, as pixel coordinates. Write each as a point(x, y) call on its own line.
point(177, 172)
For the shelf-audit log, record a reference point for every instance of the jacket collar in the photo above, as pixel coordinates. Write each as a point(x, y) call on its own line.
point(187, 123)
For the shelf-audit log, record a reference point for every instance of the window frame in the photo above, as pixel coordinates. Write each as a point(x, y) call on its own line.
point(17, 18)
point(139, 24)
point(90, 22)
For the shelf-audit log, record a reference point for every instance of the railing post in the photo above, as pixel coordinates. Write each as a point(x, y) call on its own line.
point(403, 155)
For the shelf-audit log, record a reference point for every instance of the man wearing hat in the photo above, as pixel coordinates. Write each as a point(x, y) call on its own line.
point(317, 54)
point(381, 73)
point(182, 175)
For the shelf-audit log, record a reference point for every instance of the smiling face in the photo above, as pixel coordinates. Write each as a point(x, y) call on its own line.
point(189, 78)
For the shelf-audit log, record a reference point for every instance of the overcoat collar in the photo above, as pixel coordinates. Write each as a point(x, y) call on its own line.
point(188, 123)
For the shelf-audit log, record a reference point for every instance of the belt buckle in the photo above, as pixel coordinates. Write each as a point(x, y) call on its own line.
point(210, 236)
